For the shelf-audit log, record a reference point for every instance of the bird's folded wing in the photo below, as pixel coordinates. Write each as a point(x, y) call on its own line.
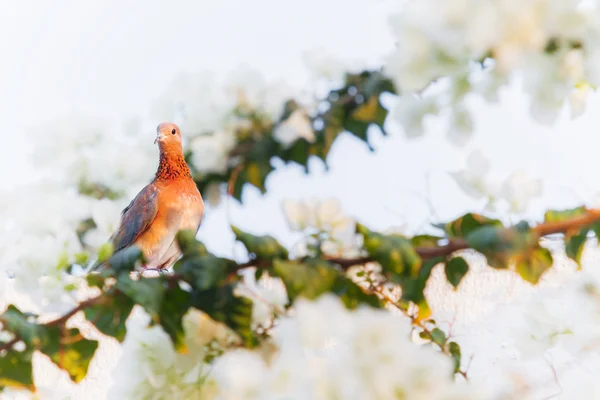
point(137, 217)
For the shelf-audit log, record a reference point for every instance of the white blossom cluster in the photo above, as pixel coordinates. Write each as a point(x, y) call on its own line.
point(149, 367)
point(549, 46)
point(547, 342)
point(210, 109)
point(374, 347)
point(316, 217)
point(516, 191)
point(303, 362)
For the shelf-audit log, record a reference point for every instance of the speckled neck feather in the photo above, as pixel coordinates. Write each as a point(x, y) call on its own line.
point(172, 166)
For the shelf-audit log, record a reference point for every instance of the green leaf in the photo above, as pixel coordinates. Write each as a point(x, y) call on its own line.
point(465, 225)
point(413, 287)
point(110, 313)
point(204, 272)
point(352, 295)
point(425, 241)
point(147, 292)
point(574, 245)
point(532, 267)
point(563, 215)
point(223, 306)
point(315, 277)
point(126, 259)
point(262, 247)
point(455, 352)
point(69, 350)
point(596, 229)
point(189, 245)
point(456, 269)
point(394, 252)
point(16, 322)
point(95, 280)
point(171, 316)
point(16, 370)
point(299, 152)
point(438, 337)
point(370, 111)
point(257, 165)
point(105, 251)
point(309, 280)
point(499, 244)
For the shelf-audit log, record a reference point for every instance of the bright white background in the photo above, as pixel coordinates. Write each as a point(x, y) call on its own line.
point(112, 58)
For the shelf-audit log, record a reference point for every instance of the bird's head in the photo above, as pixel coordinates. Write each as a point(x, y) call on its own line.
point(168, 136)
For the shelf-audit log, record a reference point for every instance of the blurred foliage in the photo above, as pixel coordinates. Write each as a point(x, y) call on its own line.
point(353, 108)
point(207, 282)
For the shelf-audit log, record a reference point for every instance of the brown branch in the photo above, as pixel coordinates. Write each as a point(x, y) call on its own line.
point(82, 306)
point(10, 344)
point(572, 224)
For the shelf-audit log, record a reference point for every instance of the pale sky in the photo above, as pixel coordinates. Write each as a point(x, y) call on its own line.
point(111, 58)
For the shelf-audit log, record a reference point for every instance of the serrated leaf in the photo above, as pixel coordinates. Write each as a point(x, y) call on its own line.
point(465, 225)
point(394, 252)
point(171, 316)
point(262, 247)
point(110, 314)
point(222, 305)
point(16, 370)
point(69, 350)
point(456, 269)
point(532, 267)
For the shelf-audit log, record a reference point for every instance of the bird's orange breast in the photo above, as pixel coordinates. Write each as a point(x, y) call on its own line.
point(180, 207)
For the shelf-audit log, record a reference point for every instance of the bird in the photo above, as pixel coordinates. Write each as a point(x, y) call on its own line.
point(167, 205)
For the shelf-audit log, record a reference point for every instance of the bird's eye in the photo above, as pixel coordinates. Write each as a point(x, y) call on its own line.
point(174, 131)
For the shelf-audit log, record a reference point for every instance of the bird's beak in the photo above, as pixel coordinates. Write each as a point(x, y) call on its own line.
point(157, 137)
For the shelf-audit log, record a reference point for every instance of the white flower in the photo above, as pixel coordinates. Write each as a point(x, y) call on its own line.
point(253, 92)
point(473, 180)
point(323, 64)
point(461, 127)
point(577, 101)
point(149, 367)
point(268, 296)
point(325, 351)
point(411, 111)
point(210, 152)
point(197, 101)
point(519, 189)
point(297, 125)
point(240, 374)
point(324, 216)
